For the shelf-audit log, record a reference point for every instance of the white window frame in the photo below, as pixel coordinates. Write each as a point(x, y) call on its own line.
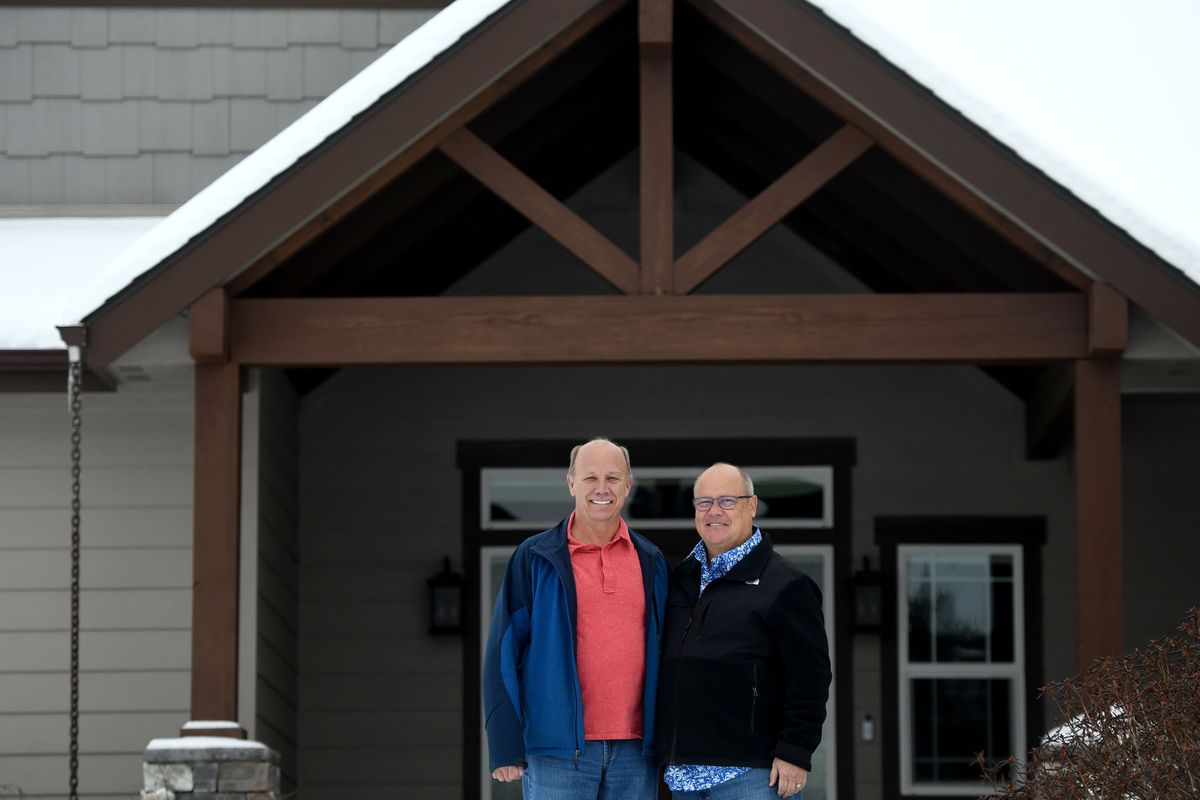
point(828, 597)
point(817, 474)
point(1014, 672)
point(487, 553)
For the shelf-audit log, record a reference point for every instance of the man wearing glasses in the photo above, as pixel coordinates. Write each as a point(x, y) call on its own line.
point(571, 665)
point(745, 672)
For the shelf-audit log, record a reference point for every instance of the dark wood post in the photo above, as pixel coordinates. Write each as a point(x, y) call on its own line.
point(657, 155)
point(216, 517)
point(1099, 539)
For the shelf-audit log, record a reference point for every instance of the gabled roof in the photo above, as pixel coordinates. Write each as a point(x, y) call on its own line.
point(379, 122)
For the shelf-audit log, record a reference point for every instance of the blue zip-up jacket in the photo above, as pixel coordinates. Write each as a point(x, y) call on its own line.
point(531, 696)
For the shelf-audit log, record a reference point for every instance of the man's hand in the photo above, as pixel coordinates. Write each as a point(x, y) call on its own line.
point(787, 778)
point(506, 774)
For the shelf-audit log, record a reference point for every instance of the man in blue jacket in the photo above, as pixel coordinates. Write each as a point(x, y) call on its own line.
point(571, 666)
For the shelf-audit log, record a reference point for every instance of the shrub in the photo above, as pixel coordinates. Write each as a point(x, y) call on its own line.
point(1131, 730)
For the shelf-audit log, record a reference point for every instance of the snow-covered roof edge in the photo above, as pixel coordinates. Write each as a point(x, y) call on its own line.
point(254, 172)
point(996, 107)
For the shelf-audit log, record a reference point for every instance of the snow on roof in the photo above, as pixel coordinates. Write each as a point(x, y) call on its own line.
point(1094, 93)
point(205, 743)
point(1098, 94)
point(43, 261)
point(257, 169)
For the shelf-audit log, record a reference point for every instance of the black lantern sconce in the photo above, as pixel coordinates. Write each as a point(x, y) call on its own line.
point(867, 585)
point(445, 601)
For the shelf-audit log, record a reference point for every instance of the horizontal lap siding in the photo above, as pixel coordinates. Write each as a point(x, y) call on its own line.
point(135, 604)
point(276, 692)
point(1162, 514)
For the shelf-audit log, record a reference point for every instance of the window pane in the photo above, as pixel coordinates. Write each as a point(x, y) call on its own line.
point(961, 620)
point(960, 608)
point(536, 498)
point(661, 497)
point(952, 720)
point(920, 621)
point(790, 497)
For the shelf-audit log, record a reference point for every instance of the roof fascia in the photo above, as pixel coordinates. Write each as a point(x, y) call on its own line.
point(906, 118)
point(402, 127)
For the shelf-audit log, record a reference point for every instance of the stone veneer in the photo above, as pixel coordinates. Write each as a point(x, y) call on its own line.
point(210, 768)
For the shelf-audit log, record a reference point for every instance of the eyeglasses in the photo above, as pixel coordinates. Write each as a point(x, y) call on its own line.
point(726, 501)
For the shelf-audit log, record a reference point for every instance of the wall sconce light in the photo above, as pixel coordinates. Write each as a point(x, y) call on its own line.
point(868, 599)
point(445, 601)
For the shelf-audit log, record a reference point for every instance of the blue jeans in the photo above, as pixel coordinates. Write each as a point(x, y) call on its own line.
point(748, 786)
point(610, 769)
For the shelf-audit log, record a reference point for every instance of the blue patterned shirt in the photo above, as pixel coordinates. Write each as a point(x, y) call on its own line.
point(693, 777)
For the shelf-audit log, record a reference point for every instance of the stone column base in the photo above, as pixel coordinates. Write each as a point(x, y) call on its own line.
point(209, 768)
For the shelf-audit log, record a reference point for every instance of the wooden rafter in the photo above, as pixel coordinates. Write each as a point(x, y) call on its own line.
point(743, 20)
point(657, 152)
point(304, 202)
point(661, 329)
point(542, 209)
point(769, 207)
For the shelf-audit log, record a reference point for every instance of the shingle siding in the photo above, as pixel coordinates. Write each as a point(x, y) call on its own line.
point(127, 105)
point(16, 73)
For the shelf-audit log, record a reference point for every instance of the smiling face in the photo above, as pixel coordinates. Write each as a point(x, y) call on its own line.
point(721, 529)
point(599, 483)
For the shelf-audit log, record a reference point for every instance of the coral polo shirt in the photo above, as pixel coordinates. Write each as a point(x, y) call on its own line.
point(610, 634)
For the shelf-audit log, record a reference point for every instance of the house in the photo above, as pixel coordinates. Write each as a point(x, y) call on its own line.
point(718, 229)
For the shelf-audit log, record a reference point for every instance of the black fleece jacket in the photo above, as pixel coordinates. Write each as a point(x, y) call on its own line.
point(745, 671)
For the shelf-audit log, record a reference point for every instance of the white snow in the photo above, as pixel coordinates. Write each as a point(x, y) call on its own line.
point(205, 743)
point(257, 169)
point(208, 724)
point(1099, 94)
point(42, 263)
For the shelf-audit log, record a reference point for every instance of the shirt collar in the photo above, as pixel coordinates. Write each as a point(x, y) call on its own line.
point(726, 561)
point(574, 544)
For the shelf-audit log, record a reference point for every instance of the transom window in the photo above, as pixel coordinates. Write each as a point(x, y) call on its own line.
point(961, 670)
point(536, 498)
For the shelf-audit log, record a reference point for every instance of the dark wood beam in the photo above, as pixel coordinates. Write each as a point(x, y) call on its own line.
point(657, 152)
point(1108, 321)
point(661, 329)
point(542, 209)
point(215, 541)
point(655, 26)
point(1098, 539)
point(769, 207)
point(208, 328)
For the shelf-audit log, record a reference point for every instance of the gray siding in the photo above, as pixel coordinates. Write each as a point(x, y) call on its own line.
point(148, 106)
point(136, 577)
point(276, 656)
point(1162, 514)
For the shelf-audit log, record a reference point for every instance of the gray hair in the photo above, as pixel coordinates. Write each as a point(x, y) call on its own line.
point(746, 481)
point(624, 452)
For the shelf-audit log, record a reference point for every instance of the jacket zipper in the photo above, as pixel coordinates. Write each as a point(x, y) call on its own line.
point(675, 702)
point(754, 698)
